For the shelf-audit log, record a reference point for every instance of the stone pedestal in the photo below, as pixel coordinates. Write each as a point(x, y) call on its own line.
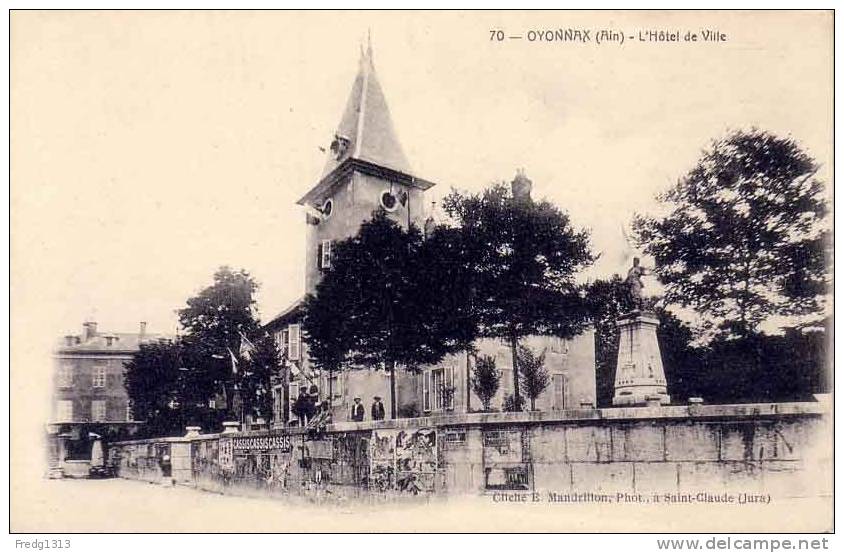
point(231, 427)
point(192, 431)
point(639, 376)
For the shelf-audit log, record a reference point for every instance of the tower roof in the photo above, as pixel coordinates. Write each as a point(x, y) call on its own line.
point(366, 130)
point(365, 139)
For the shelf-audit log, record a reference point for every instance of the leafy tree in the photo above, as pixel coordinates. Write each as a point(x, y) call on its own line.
point(746, 238)
point(764, 368)
point(215, 321)
point(485, 380)
point(255, 377)
point(382, 304)
point(534, 375)
point(754, 368)
point(152, 381)
point(523, 256)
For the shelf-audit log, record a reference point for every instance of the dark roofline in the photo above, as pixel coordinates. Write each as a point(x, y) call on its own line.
point(290, 313)
point(366, 167)
point(87, 347)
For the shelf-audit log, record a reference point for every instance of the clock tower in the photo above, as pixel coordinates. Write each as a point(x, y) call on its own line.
point(366, 171)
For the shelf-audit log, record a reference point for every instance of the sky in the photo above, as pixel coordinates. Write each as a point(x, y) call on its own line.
point(150, 148)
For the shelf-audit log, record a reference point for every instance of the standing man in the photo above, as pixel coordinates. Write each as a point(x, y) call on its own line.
point(377, 410)
point(357, 410)
point(300, 407)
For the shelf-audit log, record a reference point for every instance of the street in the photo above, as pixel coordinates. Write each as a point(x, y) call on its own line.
point(118, 505)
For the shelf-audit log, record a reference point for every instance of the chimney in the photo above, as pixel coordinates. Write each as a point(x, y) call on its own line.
point(521, 186)
point(90, 330)
point(142, 330)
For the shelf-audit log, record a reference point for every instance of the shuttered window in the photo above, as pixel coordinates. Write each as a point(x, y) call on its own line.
point(293, 342)
point(98, 410)
point(65, 376)
point(559, 392)
point(426, 390)
point(64, 411)
point(449, 382)
point(325, 254)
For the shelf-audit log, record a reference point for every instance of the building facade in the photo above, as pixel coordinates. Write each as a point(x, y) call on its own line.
point(366, 171)
point(88, 392)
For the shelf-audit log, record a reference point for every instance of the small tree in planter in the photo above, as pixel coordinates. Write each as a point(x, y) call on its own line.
point(534, 375)
point(485, 380)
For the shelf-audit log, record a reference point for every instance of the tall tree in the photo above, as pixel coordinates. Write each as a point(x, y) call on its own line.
point(215, 322)
point(485, 380)
point(152, 383)
point(746, 236)
point(524, 256)
point(254, 379)
point(383, 304)
point(535, 377)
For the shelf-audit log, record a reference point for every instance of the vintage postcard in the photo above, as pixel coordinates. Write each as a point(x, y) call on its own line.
point(462, 271)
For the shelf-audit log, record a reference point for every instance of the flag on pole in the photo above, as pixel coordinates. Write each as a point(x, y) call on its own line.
point(628, 249)
point(234, 361)
point(247, 348)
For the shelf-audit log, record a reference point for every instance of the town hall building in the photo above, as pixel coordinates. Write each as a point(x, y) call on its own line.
point(367, 170)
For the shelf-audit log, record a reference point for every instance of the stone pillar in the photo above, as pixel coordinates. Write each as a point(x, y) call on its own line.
point(694, 405)
point(192, 431)
point(55, 454)
point(639, 376)
point(181, 461)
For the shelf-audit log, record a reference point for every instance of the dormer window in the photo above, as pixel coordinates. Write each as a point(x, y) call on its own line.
point(339, 146)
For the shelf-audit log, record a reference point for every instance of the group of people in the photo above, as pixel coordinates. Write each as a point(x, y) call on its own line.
point(377, 411)
point(310, 411)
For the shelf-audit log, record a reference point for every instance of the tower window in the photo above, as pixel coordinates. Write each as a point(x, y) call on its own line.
point(389, 201)
point(327, 208)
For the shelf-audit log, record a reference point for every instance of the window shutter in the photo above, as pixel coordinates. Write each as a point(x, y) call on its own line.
point(293, 342)
point(319, 256)
point(451, 387)
point(426, 391)
point(326, 254)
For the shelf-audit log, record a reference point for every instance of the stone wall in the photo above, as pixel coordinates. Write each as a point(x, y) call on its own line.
point(770, 450)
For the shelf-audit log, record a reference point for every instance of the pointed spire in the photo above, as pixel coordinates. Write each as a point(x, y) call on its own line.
point(366, 130)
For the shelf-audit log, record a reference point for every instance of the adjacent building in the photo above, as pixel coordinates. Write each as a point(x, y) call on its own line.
point(367, 170)
point(88, 392)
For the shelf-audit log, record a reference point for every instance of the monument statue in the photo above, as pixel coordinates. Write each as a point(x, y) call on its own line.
point(634, 281)
point(640, 377)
